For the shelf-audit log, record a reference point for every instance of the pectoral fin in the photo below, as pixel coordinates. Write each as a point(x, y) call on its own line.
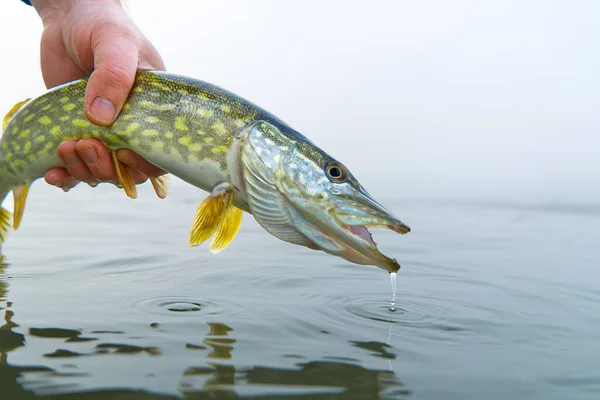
point(20, 196)
point(161, 185)
point(124, 176)
point(227, 230)
point(216, 216)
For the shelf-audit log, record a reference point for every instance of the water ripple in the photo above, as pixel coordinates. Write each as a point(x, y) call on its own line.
point(417, 312)
point(417, 318)
point(174, 306)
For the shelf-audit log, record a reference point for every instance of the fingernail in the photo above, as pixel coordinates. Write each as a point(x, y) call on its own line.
point(93, 184)
point(52, 176)
point(145, 65)
point(103, 110)
point(65, 188)
point(89, 155)
point(119, 185)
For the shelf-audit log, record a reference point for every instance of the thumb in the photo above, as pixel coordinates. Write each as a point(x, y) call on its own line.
point(115, 66)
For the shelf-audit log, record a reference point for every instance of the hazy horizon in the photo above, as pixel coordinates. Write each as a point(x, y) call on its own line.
point(419, 99)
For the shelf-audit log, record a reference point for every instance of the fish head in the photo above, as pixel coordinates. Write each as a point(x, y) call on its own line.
point(301, 195)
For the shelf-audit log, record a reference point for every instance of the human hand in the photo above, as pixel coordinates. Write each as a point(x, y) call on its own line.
point(98, 37)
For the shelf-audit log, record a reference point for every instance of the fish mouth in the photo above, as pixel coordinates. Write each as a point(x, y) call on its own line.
point(362, 232)
point(355, 216)
point(370, 252)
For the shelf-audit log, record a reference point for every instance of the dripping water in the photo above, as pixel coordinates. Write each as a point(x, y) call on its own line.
point(393, 281)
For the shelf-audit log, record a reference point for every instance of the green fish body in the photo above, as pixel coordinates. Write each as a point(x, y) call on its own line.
point(182, 125)
point(205, 135)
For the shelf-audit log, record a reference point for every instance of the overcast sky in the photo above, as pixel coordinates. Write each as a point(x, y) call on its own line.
point(419, 98)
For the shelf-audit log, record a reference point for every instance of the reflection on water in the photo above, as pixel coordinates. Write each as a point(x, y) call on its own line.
point(325, 379)
point(220, 344)
point(9, 339)
point(492, 302)
point(378, 349)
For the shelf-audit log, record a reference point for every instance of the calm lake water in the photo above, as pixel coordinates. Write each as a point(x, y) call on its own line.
point(102, 294)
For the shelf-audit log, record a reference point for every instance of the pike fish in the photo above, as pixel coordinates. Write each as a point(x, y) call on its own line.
point(245, 157)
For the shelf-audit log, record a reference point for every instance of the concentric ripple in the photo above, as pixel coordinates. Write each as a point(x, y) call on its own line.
point(418, 316)
point(172, 306)
point(177, 306)
point(411, 313)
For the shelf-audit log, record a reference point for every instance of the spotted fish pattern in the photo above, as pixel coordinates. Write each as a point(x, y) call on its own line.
point(180, 117)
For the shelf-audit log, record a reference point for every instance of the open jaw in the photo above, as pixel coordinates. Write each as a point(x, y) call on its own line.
point(362, 232)
point(372, 255)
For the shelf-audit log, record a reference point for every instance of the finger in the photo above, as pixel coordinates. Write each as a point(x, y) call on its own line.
point(55, 176)
point(73, 162)
point(115, 64)
point(137, 163)
point(97, 159)
point(60, 177)
point(69, 183)
point(137, 176)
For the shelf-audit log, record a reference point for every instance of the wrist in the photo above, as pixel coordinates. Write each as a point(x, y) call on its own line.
point(55, 10)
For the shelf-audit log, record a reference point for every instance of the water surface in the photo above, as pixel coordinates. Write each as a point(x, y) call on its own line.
point(101, 294)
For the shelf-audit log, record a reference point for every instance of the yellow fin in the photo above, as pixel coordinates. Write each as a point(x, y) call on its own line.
point(227, 230)
point(210, 213)
point(161, 185)
point(12, 112)
point(125, 178)
point(20, 195)
point(4, 223)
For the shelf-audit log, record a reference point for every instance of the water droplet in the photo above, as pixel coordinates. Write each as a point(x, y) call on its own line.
point(393, 281)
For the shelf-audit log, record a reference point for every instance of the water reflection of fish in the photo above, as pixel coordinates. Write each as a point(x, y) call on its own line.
point(248, 160)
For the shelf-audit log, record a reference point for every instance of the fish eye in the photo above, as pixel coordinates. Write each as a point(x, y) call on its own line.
point(335, 172)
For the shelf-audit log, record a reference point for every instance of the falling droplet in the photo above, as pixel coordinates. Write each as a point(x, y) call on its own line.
point(393, 281)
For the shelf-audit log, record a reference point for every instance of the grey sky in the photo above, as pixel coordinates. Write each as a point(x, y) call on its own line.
point(428, 98)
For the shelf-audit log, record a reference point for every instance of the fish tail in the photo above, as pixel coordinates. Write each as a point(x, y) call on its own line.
point(20, 196)
point(7, 185)
point(5, 215)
